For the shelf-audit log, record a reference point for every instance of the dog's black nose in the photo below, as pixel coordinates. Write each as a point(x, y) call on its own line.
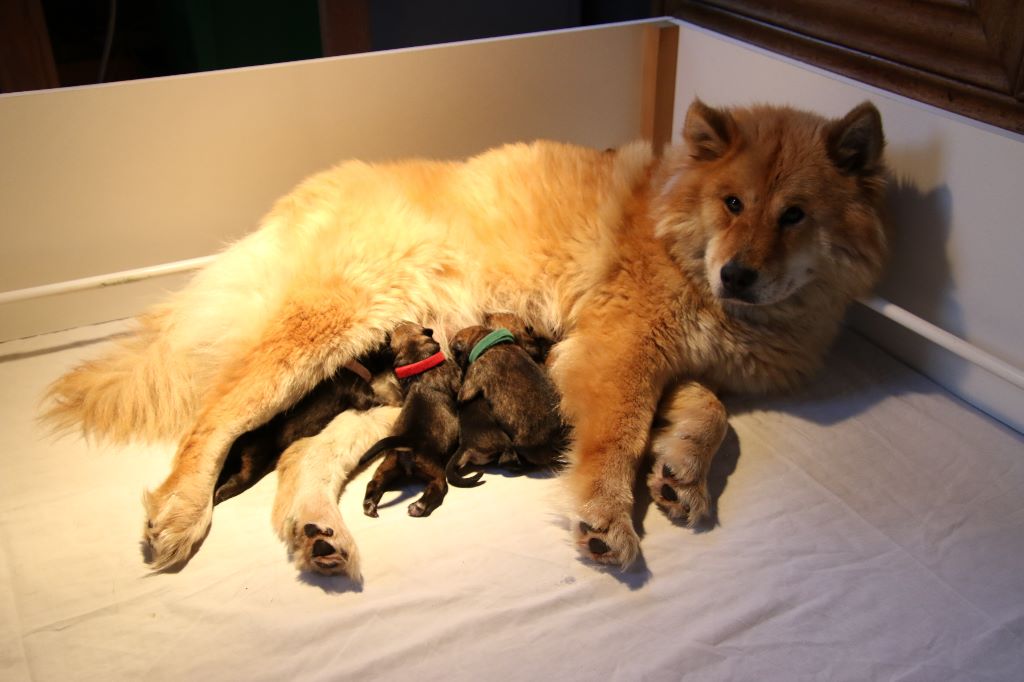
point(737, 278)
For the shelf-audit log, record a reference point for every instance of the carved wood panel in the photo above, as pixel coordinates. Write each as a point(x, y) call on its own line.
point(966, 56)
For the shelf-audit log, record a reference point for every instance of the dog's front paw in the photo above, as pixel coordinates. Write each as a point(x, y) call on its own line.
point(680, 489)
point(319, 542)
point(175, 526)
point(607, 538)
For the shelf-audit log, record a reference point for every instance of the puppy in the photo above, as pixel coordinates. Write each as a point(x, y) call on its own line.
point(356, 385)
point(427, 429)
point(508, 406)
point(536, 345)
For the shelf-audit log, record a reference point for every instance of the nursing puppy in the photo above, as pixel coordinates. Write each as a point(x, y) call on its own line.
point(427, 430)
point(508, 406)
point(356, 385)
point(536, 345)
point(726, 264)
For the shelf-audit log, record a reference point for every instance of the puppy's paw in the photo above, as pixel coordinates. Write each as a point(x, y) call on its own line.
point(682, 493)
point(374, 493)
point(175, 526)
point(606, 538)
point(320, 543)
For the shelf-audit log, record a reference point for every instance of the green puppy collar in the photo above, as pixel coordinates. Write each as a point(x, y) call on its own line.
point(501, 335)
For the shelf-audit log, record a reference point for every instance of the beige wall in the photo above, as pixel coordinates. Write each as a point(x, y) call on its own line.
point(106, 178)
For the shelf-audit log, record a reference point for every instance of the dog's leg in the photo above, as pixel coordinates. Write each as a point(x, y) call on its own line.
point(387, 471)
point(250, 458)
point(310, 476)
point(481, 439)
point(683, 450)
point(255, 453)
point(609, 394)
point(308, 340)
point(427, 469)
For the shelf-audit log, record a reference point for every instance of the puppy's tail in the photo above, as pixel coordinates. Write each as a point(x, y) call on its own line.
point(143, 388)
point(453, 472)
point(389, 443)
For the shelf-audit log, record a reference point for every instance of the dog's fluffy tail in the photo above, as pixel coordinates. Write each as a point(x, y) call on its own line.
point(150, 384)
point(143, 388)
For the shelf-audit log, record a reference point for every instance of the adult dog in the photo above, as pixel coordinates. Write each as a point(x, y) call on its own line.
point(725, 264)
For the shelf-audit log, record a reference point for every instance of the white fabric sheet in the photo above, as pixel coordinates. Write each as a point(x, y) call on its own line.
point(871, 527)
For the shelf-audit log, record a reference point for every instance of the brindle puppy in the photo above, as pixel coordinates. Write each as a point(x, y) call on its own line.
point(508, 406)
point(426, 432)
point(536, 345)
point(355, 385)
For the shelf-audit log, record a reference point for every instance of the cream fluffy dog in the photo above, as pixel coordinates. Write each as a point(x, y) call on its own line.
point(725, 264)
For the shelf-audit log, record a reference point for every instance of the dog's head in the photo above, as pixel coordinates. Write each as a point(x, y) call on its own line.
point(411, 343)
point(767, 200)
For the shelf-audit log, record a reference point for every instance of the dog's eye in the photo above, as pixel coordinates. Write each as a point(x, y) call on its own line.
point(428, 332)
point(791, 216)
point(734, 204)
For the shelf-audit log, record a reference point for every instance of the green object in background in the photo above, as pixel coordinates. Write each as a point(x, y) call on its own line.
point(203, 35)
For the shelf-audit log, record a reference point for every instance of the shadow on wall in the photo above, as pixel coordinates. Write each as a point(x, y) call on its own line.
point(919, 275)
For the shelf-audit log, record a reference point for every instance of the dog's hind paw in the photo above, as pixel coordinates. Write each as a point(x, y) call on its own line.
point(682, 495)
point(607, 539)
point(175, 527)
point(323, 546)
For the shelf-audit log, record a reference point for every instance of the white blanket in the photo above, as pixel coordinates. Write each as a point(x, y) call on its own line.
point(870, 527)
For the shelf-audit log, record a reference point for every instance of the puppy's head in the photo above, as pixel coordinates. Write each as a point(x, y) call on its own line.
point(766, 200)
point(463, 341)
point(411, 343)
point(534, 343)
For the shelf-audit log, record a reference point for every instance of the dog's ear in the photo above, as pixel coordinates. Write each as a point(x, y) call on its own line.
point(856, 140)
point(458, 349)
point(709, 132)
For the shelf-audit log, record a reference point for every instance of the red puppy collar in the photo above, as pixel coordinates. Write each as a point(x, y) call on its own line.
point(419, 367)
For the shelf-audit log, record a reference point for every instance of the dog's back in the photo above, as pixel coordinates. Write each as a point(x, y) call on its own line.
point(453, 238)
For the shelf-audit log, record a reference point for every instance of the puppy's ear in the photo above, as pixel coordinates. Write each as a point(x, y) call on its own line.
point(856, 140)
point(458, 349)
point(709, 132)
